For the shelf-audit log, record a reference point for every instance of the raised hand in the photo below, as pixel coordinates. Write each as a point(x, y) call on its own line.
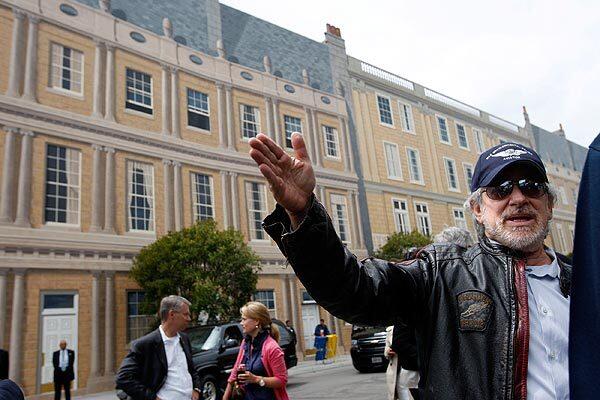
point(291, 179)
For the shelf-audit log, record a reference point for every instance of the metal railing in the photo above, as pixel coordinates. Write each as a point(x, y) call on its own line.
point(386, 76)
point(432, 94)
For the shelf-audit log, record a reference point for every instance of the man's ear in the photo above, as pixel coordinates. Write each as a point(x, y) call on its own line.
point(477, 210)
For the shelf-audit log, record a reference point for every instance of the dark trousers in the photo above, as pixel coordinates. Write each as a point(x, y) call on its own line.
point(59, 383)
point(415, 394)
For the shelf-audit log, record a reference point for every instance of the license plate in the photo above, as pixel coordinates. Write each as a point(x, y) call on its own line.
point(376, 360)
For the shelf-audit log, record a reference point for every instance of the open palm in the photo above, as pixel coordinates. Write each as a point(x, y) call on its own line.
point(291, 179)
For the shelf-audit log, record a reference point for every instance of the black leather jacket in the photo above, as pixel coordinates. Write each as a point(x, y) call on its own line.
point(468, 307)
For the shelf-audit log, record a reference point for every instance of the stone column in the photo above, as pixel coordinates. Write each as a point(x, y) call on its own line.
point(235, 206)
point(357, 220)
point(24, 186)
point(276, 125)
point(166, 100)
point(16, 327)
point(348, 145)
point(269, 112)
point(168, 194)
point(177, 196)
point(225, 198)
point(309, 135)
point(109, 332)
point(29, 88)
point(97, 178)
point(345, 146)
point(285, 297)
point(15, 69)
point(95, 339)
point(222, 116)
point(8, 176)
point(317, 139)
point(320, 191)
point(109, 191)
point(3, 292)
point(175, 104)
point(295, 310)
point(109, 108)
point(98, 59)
point(230, 124)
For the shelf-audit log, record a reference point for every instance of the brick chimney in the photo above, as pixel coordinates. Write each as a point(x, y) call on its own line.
point(335, 31)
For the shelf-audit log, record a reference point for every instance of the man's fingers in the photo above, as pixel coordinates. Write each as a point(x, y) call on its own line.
point(260, 158)
point(274, 181)
point(299, 147)
point(263, 148)
point(274, 147)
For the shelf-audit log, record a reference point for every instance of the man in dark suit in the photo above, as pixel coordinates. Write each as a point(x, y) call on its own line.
point(3, 364)
point(159, 365)
point(63, 361)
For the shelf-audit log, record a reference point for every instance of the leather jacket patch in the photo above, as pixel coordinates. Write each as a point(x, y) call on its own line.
point(475, 308)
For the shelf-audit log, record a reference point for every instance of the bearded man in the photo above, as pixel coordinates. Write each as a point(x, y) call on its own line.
point(491, 321)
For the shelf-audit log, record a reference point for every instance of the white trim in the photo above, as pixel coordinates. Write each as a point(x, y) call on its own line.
point(256, 113)
point(561, 237)
point(437, 121)
point(462, 221)
point(396, 213)
point(56, 224)
point(464, 165)
point(338, 199)
point(411, 120)
point(421, 214)
point(52, 85)
point(129, 194)
point(464, 126)
point(274, 309)
point(479, 142)
point(262, 192)
point(285, 138)
point(199, 130)
point(194, 193)
point(138, 113)
point(336, 142)
point(450, 188)
point(389, 99)
point(399, 163)
point(419, 165)
point(64, 92)
point(143, 92)
point(199, 112)
point(563, 195)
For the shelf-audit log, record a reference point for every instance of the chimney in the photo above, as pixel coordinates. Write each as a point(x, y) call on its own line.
point(526, 116)
point(334, 31)
point(305, 77)
point(220, 48)
point(267, 64)
point(167, 28)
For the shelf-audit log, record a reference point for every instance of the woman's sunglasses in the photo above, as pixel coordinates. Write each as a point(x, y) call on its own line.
point(528, 187)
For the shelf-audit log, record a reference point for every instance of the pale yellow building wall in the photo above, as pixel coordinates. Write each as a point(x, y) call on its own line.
point(6, 27)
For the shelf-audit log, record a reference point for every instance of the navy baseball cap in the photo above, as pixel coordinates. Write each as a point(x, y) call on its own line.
point(492, 161)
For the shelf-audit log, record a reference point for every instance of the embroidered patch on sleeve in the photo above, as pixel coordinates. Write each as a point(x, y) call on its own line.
point(475, 309)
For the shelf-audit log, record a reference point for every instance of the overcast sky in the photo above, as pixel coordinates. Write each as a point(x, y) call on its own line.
point(494, 55)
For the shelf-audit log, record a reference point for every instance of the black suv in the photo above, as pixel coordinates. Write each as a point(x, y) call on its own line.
point(215, 349)
point(368, 344)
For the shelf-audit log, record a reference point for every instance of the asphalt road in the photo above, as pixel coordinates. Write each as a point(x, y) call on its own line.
point(342, 383)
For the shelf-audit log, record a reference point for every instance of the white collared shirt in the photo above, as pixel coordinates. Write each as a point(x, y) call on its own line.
point(63, 359)
point(178, 385)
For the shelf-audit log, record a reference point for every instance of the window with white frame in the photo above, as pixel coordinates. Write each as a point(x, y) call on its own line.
point(408, 124)
point(291, 125)
point(250, 121)
point(138, 324)
point(67, 69)
point(468, 168)
point(451, 174)
point(202, 192)
point(459, 218)
point(443, 130)
point(392, 160)
point(198, 109)
point(423, 221)
point(257, 209)
point(478, 140)
point(563, 195)
point(63, 186)
point(401, 215)
point(140, 196)
point(139, 91)
point(267, 297)
point(340, 217)
point(414, 165)
point(461, 133)
point(385, 110)
point(332, 146)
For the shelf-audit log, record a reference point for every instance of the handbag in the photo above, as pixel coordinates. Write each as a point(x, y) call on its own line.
point(238, 392)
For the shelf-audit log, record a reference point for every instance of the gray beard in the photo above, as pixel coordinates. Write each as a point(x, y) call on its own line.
point(521, 238)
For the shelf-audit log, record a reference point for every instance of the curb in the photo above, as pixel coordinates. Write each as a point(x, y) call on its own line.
point(312, 366)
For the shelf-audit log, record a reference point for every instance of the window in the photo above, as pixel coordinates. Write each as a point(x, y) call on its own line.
point(561, 238)
point(202, 197)
point(62, 185)
point(250, 121)
point(468, 168)
point(257, 209)
point(138, 324)
point(461, 133)
point(385, 110)
point(401, 216)
point(443, 130)
point(423, 222)
point(459, 218)
point(451, 174)
point(406, 115)
point(340, 217)
point(414, 165)
point(392, 160)
point(198, 109)
point(292, 124)
point(140, 186)
point(139, 91)
point(331, 141)
point(67, 69)
point(267, 297)
point(478, 140)
point(563, 195)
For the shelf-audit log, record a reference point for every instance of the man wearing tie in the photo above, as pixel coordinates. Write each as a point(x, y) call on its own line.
point(63, 361)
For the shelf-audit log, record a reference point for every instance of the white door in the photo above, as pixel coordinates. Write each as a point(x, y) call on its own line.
point(57, 324)
point(310, 319)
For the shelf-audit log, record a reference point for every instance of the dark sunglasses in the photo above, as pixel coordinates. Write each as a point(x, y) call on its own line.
point(528, 187)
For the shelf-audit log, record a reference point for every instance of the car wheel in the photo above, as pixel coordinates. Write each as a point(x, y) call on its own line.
point(209, 387)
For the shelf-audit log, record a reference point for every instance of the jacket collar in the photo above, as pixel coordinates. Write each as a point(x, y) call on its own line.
point(160, 348)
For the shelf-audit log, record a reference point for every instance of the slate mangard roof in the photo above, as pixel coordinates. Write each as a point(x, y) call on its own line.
point(558, 150)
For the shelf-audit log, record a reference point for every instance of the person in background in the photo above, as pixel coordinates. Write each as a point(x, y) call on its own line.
point(321, 329)
point(404, 344)
point(290, 328)
point(63, 361)
point(453, 234)
point(393, 369)
point(260, 366)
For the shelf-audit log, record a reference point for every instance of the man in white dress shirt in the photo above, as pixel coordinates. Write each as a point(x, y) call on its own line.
point(64, 374)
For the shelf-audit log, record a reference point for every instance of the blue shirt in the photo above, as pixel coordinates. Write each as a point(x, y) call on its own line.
point(254, 364)
point(548, 362)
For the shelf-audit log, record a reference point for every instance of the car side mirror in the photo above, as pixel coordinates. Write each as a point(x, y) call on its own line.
point(230, 343)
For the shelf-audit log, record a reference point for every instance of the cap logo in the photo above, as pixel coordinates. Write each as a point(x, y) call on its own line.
point(508, 154)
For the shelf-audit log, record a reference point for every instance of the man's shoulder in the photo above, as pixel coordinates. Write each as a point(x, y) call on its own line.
point(146, 340)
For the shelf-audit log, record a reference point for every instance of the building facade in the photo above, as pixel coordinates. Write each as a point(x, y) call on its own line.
point(122, 121)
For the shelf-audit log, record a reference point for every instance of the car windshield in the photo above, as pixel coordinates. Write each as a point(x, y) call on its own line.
point(359, 332)
point(204, 338)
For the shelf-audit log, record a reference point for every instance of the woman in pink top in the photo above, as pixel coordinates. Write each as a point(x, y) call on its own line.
point(260, 367)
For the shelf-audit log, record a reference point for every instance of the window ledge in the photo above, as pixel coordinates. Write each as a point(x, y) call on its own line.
point(199, 130)
point(139, 113)
point(64, 92)
point(60, 227)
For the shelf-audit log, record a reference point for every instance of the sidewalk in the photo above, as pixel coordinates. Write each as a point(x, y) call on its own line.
point(303, 367)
